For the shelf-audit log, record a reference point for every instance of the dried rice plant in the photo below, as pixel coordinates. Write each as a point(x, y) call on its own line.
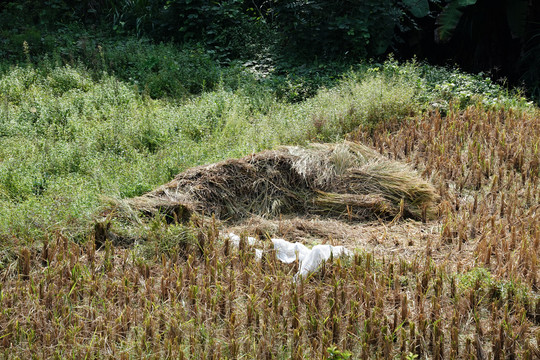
point(345, 179)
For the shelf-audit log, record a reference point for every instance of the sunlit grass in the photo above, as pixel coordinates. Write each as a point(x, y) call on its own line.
point(68, 139)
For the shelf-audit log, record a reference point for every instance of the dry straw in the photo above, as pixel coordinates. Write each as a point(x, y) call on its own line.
point(338, 180)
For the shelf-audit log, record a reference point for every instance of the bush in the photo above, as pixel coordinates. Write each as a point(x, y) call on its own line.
point(159, 70)
point(162, 70)
point(330, 29)
point(443, 87)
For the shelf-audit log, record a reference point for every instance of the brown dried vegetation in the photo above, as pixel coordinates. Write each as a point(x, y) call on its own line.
point(486, 167)
point(327, 179)
point(69, 300)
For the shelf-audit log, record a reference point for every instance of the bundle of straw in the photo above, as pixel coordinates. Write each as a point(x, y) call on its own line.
point(345, 179)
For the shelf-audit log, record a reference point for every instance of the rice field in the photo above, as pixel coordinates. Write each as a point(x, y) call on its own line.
point(461, 284)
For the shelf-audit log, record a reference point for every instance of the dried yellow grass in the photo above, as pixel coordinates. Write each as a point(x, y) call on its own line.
point(345, 179)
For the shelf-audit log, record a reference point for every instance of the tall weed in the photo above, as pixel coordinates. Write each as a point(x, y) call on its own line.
point(68, 138)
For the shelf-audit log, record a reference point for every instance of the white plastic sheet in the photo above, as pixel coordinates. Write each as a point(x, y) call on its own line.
point(235, 239)
point(288, 252)
point(317, 256)
point(309, 260)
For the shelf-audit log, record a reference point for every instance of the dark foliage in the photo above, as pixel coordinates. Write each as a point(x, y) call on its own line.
point(499, 37)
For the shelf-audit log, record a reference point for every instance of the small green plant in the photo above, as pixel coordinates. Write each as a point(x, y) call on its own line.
point(411, 356)
point(335, 354)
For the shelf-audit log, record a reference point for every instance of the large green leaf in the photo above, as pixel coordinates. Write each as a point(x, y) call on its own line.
point(418, 8)
point(449, 18)
point(464, 3)
point(516, 14)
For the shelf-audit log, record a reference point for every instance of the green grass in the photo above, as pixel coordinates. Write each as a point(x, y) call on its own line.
point(67, 139)
point(128, 118)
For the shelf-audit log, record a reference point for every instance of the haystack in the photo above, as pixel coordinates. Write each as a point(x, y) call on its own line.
point(340, 180)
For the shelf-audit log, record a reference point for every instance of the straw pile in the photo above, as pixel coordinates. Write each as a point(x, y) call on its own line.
point(339, 180)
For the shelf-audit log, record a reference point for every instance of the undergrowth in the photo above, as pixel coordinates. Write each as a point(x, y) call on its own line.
point(68, 139)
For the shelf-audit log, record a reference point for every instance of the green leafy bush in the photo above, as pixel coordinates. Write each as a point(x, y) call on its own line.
point(443, 87)
point(327, 28)
point(162, 70)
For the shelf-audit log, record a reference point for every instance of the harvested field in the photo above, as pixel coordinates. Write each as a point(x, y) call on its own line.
point(485, 165)
point(461, 285)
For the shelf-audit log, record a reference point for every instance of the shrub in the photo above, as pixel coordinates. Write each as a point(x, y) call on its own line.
point(162, 70)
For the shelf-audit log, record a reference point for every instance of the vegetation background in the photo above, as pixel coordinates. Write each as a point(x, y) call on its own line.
point(500, 37)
